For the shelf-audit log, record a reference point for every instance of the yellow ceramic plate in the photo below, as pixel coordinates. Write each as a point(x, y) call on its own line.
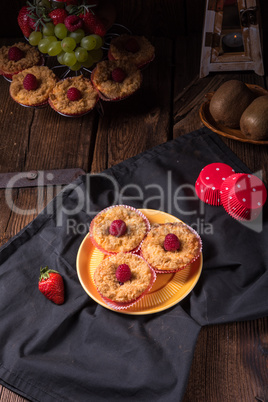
point(168, 289)
point(224, 131)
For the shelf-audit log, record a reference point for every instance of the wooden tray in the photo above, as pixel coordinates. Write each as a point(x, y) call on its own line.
point(220, 129)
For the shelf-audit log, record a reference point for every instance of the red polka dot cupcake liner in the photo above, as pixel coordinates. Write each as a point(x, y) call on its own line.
point(100, 248)
point(123, 306)
point(209, 181)
point(243, 196)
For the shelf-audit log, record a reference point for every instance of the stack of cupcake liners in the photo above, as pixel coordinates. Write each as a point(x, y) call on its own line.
point(242, 195)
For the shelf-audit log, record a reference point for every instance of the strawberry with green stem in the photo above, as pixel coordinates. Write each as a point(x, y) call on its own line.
point(51, 285)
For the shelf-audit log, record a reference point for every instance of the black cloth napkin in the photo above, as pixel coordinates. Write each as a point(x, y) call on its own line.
point(81, 351)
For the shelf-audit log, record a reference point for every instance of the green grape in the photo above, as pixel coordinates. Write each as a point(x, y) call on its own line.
point(48, 29)
point(60, 57)
point(76, 66)
point(77, 35)
point(88, 42)
point(43, 45)
point(68, 44)
point(51, 38)
point(54, 48)
point(69, 59)
point(81, 54)
point(60, 31)
point(89, 61)
point(97, 55)
point(99, 41)
point(35, 38)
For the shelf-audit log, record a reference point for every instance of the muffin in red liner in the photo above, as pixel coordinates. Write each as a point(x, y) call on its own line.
point(119, 228)
point(18, 57)
point(116, 80)
point(170, 247)
point(73, 96)
point(209, 181)
point(243, 196)
point(136, 49)
point(32, 86)
point(123, 279)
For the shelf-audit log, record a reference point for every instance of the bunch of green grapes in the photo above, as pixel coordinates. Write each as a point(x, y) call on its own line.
point(73, 49)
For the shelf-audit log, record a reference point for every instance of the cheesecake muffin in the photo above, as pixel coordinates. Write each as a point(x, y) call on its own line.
point(136, 49)
point(18, 57)
point(170, 247)
point(116, 79)
point(123, 279)
point(32, 86)
point(119, 228)
point(73, 96)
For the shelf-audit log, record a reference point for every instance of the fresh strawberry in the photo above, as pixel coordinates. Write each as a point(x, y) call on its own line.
point(118, 75)
point(73, 22)
point(123, 273)
point(92, 23)
point(23, 21)
point(118, 228)
point(51, 285)
point(171, 242)
point(73, 94)
point(33, 22)
point(15, 54)
point(58, 15)
point(30, 82)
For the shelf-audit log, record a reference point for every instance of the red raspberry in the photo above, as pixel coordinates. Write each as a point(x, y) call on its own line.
point(171, 242)
point(132, 45)
point(73, 22)
point(73, 94)
point(15, 54)
point(118, 75)
point(123, 273)
point(30, 82)
point(118, 228)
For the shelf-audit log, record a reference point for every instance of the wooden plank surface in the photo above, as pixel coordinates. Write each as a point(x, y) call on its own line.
point(230, 361)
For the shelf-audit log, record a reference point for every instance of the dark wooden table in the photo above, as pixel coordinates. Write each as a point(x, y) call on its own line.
point(230, 362)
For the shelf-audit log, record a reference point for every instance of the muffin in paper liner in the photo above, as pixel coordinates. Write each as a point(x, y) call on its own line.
point(243, 196)
point(59, 101)
point(152, 248)
point(111, 263)
point(137, 228)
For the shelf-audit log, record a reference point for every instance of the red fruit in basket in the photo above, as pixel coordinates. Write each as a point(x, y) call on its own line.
point(23, 21)
point(118, 228)
point(92, 23)
point(132, 45)
point(73, 22)
point(73, 94)
point(171, 242)
point(51, 285)
point(58, 15)
point(118, 75)
point(123, 273)
point(15, 53)
point(30, 82)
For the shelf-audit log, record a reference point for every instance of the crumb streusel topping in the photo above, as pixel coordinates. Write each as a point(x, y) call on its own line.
point(108, 285)
point(153, 251)
point(46, 81)
point(31, 58)
point(61, 103)
point(102, 78)
point(135, 233)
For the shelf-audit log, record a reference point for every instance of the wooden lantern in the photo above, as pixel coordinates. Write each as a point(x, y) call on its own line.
point(231, 37)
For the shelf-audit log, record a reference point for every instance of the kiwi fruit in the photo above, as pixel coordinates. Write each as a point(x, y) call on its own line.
point(229, 102)
point(254, 120)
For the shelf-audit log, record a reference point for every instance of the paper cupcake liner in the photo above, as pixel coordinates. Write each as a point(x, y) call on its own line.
point(100, 248)
point(208, 195)
point(121, 306)
point(170, 271)
point(36, 105)
point(106, 98)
